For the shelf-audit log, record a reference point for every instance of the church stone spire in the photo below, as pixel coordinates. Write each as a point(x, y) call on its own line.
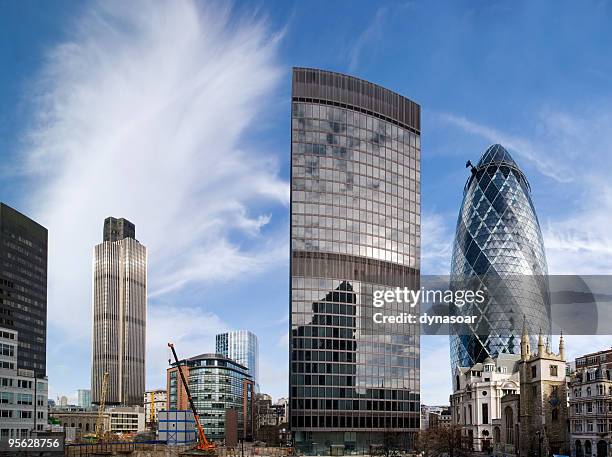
point(540, 344)
point(525, 349)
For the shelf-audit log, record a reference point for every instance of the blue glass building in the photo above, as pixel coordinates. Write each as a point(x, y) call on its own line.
point(243, 347)
point(498, 249)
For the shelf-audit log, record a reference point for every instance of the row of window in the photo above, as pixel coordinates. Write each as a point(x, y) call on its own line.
point(591, 407)
point(352, 405)
point(355, 168)
point(362, 422)
point(599, 390)
point(383, 393)
point(9, 413)
point(11, 398)
point(339, 118)
point(7, 350)
point(599, 426)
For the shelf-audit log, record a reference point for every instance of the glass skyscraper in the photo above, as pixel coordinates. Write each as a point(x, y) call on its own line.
point(241, 346)
point(355, 228)
point(499, 249)
point(84, 398)
point(23, 286)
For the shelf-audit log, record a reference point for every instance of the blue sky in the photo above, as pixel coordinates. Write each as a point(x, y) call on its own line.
point(176, 116)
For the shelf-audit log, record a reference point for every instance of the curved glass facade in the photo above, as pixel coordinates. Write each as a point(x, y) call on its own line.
point(217, 384)
point(355, 228)
point(499, 249)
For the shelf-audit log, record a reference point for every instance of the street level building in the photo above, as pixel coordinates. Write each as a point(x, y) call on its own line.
point(590, 394)
point(217, 384)
point(23, 395)
point(116, 420)
point(476, 403)
point(535, 422)
point(83, 422)
point(119, 315)
point(154, 402)
point(355, 229)
point(23, 286)
point(595, 360)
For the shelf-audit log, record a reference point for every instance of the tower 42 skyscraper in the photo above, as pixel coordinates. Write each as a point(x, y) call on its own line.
point(499, 249)
point(119, 314)
point(355, 228)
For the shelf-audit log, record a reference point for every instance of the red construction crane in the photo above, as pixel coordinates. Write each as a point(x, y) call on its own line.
point(203, 443)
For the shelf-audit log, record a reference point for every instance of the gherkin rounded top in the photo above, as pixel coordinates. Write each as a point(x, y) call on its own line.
point(496, 154)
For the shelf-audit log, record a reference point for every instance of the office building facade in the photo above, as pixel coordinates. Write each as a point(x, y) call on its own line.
point(23, 286)
point(119, 315)
point(243, 347)
point(23, 395)
point(217, 384)
point(355, 228)
point(498, 249)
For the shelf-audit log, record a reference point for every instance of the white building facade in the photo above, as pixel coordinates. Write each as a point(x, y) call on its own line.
point(476, 399)
point(590, 412)
point(154, 402)
point(23, 397)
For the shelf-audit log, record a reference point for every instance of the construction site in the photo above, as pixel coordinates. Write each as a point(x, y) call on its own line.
point(182, 426)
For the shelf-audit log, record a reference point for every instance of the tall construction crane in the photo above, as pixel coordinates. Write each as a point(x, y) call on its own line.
point(100, 418)
point(203, 443)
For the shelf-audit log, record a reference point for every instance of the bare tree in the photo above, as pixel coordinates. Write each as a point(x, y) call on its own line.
point(441, 442)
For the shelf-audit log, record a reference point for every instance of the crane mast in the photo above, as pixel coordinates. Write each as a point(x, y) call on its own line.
point(101, 405)
point(203, 443)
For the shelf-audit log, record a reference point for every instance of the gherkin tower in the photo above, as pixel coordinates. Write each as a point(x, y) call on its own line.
point(499, 249)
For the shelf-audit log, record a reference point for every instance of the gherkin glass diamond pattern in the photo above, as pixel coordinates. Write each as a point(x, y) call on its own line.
point(499, 249)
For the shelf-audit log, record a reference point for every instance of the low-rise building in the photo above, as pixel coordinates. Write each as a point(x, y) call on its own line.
point(440, 419)
point(535, 421)
point(23, 396)
point(282, 410)
point(176, 428)
point(590, 396)
point(426, 413)
point(126, 419)
point(595, 359)
point(154, 402)
point(476, 400)
point(83, 422)
point(116, 419)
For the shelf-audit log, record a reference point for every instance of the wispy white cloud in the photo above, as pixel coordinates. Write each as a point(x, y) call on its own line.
point(538, 156)
point(192, 331)
point(370, 33)
point(143, 114)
